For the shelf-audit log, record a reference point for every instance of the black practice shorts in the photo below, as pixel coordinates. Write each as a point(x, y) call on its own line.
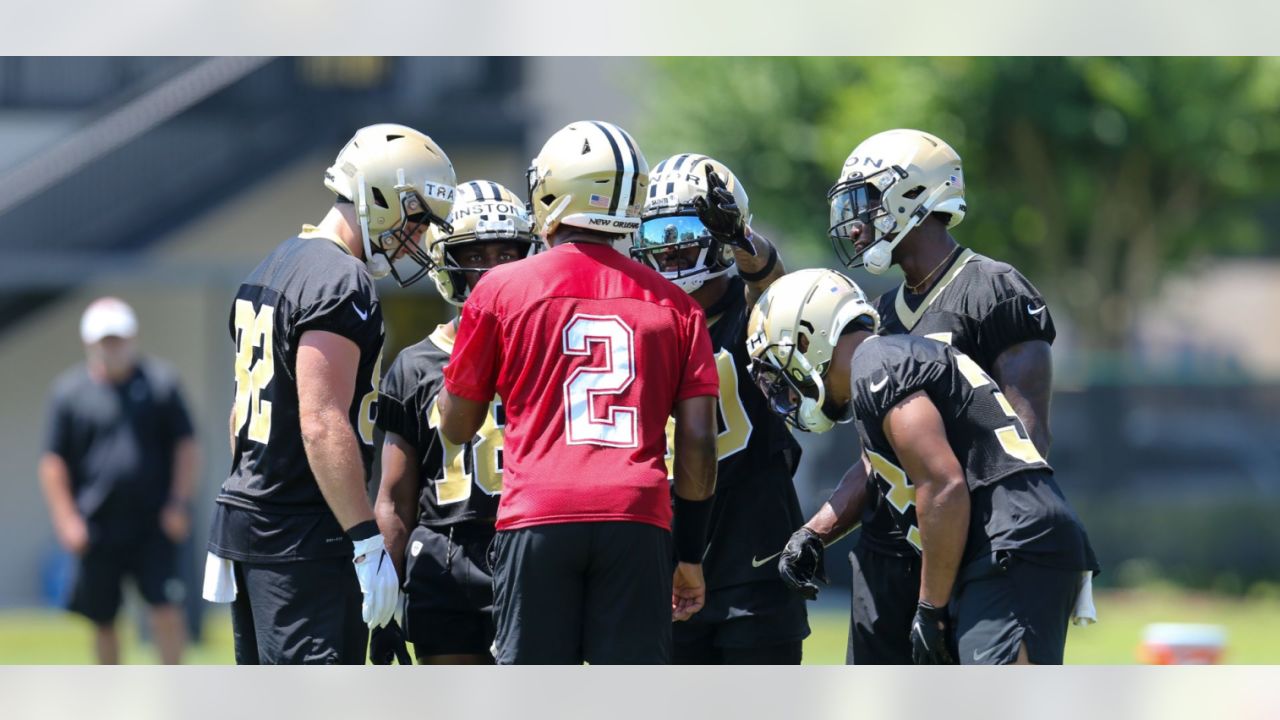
point(298, 612)
point(757, 624)
point(449, 591)
point(1003, 601)
point(886, 590)
point(152, 564)
point(595, 592)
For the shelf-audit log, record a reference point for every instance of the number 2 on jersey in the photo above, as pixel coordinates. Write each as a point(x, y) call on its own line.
point(583, 426)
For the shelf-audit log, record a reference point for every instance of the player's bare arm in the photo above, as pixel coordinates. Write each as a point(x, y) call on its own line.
point(69, 526)
point(842, 512)
point(695, 482)
point(460, 418)
point(326, 369)
point(397, 504)
point(1025, 375)
point(765, 260)
point(915, 430)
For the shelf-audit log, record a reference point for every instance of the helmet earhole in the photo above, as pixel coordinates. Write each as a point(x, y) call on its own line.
point(379, 200)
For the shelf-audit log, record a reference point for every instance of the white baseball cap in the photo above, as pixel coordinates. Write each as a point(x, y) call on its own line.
point(107, 316)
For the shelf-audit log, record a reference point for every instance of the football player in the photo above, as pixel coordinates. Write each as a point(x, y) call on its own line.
point(438, 500)
point(1003, 556)
point(695, 231)
point(899, 194)
point(590, 353)
point(294, 514)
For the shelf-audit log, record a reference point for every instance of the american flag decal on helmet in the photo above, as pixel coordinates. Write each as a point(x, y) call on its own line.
point(599, 201)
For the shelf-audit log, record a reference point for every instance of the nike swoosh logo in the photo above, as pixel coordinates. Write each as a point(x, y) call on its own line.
point(979, 656)
point(757, 563)
point(1036, 311)
point(363, 315)
point(877, 387)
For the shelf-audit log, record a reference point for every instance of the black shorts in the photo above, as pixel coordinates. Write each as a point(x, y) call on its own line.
point(449, 590)
point(152, 564)
point(886, 590)
point(1003, 601)
point(596, 592)
point(765, 616)
point(298, 612)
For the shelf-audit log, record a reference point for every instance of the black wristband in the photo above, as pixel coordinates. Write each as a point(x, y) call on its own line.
point(363, 531)
point(763, 272)
point(692, 518)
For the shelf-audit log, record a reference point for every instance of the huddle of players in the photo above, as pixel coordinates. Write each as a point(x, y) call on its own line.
point(1016, 543)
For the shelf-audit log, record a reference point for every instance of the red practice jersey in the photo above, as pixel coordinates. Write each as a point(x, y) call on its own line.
point(590, 352)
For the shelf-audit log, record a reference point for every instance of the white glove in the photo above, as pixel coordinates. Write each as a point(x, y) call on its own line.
point(378, 581)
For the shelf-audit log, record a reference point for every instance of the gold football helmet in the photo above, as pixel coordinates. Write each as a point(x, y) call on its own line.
point(591, 175)
point(891, 182)
point(670, 224)
point(401, 183)
point(792, 335)
point(483, 212)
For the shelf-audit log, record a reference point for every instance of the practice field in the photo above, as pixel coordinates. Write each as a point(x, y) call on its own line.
point(1252, 625)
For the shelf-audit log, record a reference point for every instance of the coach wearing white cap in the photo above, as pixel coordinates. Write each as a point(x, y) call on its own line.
point(118, 472)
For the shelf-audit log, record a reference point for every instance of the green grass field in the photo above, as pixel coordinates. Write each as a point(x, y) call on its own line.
point(1253, 631)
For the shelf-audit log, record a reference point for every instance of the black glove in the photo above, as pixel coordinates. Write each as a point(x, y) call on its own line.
point(720, 213)
point(387, 644)
point(802, 561)
point(931, 636)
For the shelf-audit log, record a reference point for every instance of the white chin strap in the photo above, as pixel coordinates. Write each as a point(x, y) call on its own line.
point(377, 263)
point(810, 416)
point(879, 256)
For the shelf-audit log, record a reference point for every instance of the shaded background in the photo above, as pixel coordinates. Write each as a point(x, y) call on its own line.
point(1138, 194)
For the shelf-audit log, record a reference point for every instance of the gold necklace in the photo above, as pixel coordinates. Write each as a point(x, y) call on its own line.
point(912, 288)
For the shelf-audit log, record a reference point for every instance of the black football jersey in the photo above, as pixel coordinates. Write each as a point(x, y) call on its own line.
point(982, 428)
point(979, 306)
point(309, 282)
point(458, 484)
point(756, 508)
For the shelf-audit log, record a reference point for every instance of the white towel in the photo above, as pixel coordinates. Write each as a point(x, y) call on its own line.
point(1084, 613)
point(219, 580)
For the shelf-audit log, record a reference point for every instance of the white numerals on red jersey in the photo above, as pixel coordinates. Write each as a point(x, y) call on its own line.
point(618, 426)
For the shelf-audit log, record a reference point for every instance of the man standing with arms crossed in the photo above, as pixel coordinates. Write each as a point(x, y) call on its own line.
point(590, 353)
point(294, 513)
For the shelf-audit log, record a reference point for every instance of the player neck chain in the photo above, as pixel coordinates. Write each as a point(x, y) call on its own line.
point(913, 289)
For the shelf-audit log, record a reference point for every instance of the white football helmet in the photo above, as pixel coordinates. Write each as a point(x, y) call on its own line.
point(891, 182)
point(483, 212)
point(670, 224)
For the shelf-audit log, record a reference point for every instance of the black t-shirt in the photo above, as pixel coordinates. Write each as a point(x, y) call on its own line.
point(309, 282)
point(458, 484)
point(757, 459)
point(1027, 514)
point(118, 444)
point(979, 306)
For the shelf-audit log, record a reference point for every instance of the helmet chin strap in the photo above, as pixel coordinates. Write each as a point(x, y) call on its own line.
point(377, 263)
point(879, 256)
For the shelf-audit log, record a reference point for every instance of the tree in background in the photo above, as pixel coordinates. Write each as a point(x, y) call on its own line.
point(1095, 176)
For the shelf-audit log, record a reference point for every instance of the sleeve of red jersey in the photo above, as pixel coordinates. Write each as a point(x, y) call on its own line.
point(472, 372)
point(700, 376)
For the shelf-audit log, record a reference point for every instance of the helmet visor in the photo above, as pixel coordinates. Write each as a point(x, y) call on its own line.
point(674, 245)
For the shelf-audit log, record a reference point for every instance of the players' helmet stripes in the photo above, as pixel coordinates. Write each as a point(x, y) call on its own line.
point(626, 163)
point(483, 212)
point(591, 175)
